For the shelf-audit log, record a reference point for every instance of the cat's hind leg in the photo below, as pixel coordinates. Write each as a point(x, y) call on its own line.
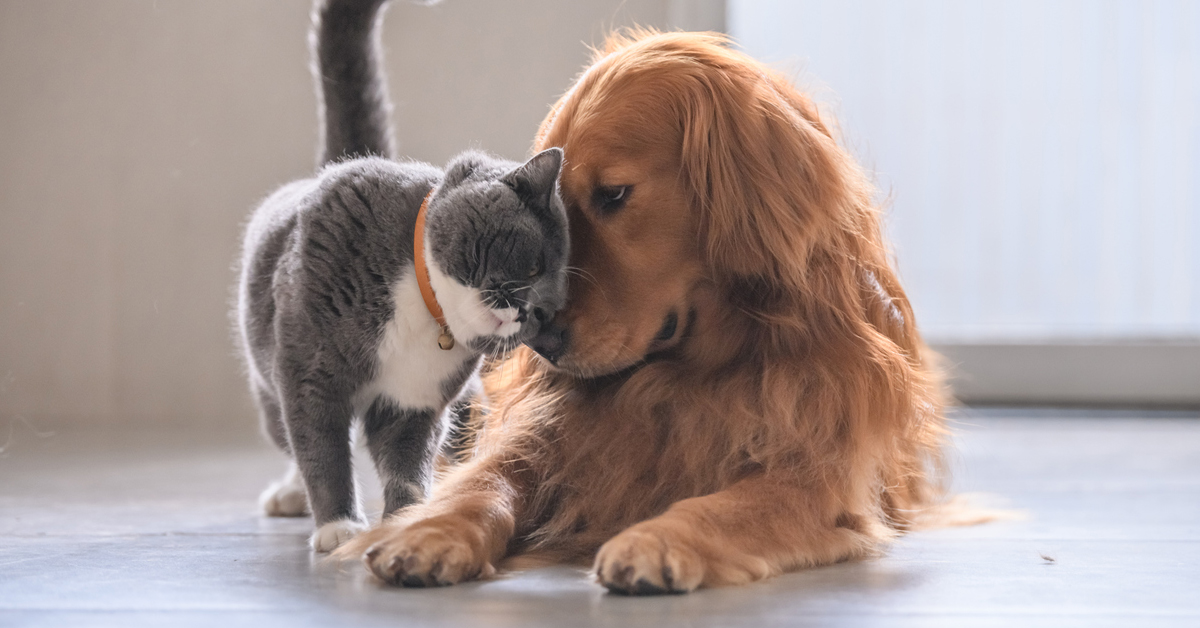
point(285, 497)
point(272, 417)
point(404, 443)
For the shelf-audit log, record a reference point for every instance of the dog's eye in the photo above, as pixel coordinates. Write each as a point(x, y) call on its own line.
point(609, 199)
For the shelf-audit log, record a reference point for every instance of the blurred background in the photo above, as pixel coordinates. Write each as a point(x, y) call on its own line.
point(1040, 161)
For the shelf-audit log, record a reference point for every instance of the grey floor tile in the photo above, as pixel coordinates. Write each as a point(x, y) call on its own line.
point(160, 529)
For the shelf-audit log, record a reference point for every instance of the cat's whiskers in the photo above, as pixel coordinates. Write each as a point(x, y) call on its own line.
point(581, 273)
point(524, 304)
point(479, 316)
point(501, 295)
point(535, 291)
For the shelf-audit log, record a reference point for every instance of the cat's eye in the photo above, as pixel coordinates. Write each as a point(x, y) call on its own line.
point(535, 269)
point(609, 199)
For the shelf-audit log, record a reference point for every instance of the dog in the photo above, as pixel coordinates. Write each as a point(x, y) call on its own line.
point(736, 387)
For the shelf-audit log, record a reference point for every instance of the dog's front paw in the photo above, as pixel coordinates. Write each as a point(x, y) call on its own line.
point(435, 552)
point(646, 561)
point(330, 535)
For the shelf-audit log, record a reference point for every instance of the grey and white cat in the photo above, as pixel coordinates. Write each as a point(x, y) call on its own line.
point(329, 310)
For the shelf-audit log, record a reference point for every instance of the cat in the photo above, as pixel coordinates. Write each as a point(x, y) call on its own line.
point(332, 317)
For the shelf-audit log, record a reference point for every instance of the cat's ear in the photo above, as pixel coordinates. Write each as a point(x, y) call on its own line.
point(463, 168)
point(534, 180)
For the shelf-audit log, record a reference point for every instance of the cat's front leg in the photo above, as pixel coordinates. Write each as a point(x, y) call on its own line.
point(404, 443)
point(319, 431)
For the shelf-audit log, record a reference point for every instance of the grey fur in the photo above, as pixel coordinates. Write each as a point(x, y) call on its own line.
point(353, 109)
point(327, 265)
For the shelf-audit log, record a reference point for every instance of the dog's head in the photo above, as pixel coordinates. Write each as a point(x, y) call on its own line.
point(691, 170)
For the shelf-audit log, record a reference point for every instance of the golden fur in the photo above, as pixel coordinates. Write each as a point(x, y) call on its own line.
point(794, 418)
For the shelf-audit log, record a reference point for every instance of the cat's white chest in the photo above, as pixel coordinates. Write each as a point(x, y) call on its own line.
point(412, 368)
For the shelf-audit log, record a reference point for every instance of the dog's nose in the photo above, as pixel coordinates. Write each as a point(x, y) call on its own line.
point(550, 341)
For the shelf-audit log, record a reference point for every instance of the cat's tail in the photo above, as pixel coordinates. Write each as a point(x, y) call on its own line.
point(347, 63)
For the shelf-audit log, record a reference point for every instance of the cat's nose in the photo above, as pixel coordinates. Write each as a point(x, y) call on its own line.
point(550, 341)
point(523, 315)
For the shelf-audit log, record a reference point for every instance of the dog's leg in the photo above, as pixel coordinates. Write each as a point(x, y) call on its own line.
point(459, 535)
point(757, 528)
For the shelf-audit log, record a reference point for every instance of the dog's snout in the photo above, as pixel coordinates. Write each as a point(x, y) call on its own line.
point(550, 341)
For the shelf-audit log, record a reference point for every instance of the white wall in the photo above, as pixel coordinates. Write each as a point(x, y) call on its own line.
point(135, 135)
point(1042, 156)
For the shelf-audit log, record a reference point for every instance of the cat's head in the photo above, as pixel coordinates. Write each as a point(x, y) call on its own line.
point(497, 245)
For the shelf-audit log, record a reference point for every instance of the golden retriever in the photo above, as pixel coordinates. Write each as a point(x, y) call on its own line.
point(736, 388)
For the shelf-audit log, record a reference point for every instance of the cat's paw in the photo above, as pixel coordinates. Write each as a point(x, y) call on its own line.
point(330, 535)
point(284, 499)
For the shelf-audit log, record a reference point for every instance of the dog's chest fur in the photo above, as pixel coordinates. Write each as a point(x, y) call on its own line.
point(643, 459)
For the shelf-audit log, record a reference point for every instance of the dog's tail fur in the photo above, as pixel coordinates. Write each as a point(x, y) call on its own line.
point(352, 99)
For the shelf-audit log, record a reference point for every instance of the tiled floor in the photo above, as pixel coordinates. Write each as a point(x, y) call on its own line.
point(152, 529)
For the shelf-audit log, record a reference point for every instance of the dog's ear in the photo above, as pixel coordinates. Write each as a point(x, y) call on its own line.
point(766, 175)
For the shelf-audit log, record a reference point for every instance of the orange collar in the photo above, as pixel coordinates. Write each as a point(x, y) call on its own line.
point(445, 338)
